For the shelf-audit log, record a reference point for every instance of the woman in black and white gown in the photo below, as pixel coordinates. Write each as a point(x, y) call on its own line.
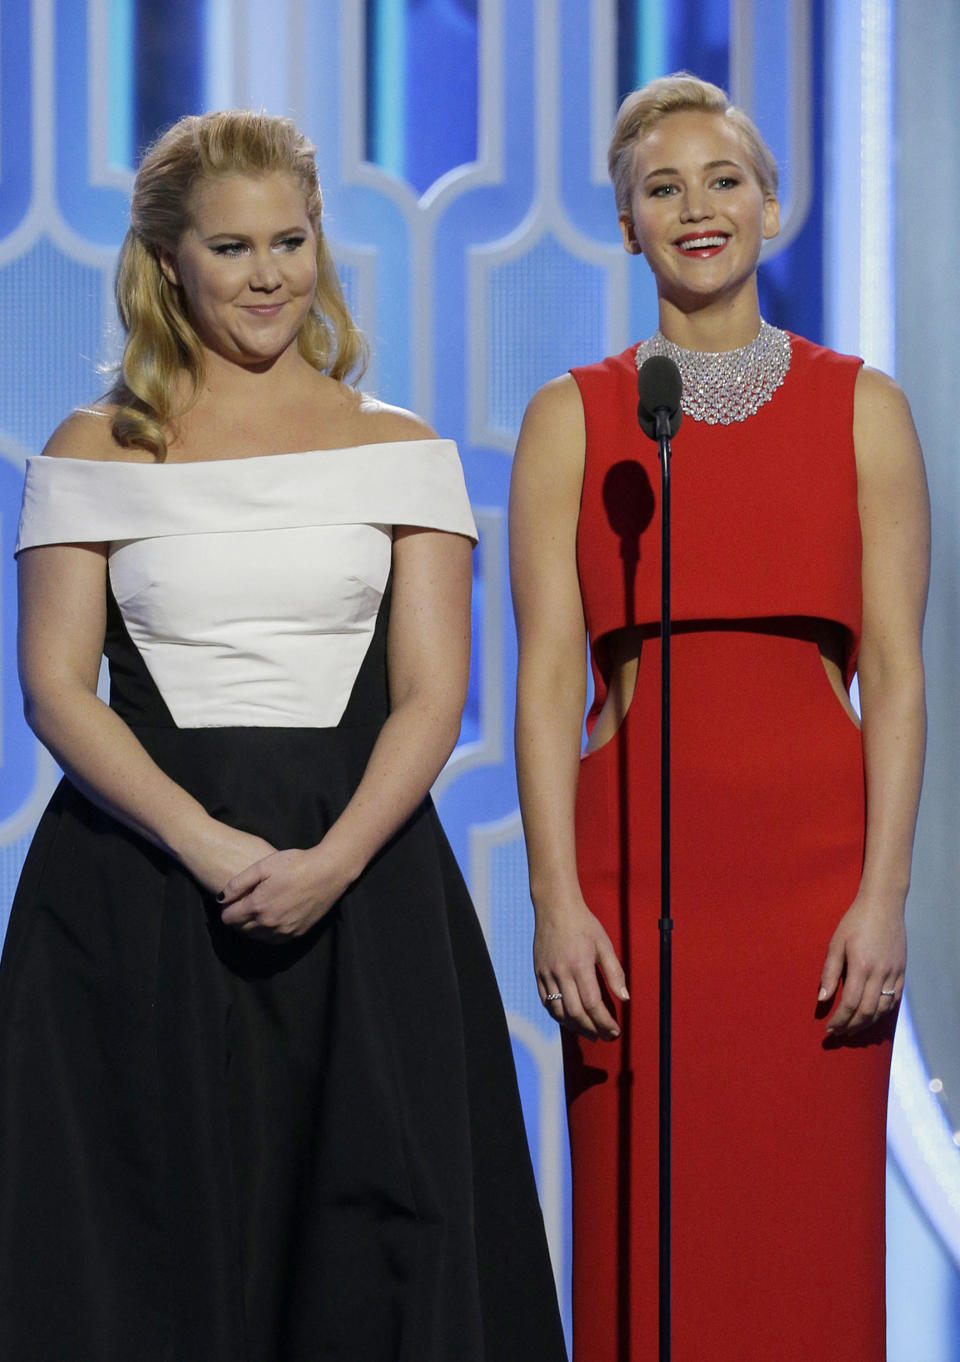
point(256, 1094)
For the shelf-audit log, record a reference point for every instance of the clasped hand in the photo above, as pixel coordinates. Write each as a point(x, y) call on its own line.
point(281, 896)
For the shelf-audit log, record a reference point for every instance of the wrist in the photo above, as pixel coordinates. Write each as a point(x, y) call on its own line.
point(884, 897)
point(192, 840)
point(557, 901)
point(333, 864)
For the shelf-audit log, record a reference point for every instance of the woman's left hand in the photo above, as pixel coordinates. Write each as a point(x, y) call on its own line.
point(281, 896)
point(869, 952)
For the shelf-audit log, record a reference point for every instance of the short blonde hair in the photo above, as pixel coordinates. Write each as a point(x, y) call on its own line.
point(681, 92)
point(160, 340)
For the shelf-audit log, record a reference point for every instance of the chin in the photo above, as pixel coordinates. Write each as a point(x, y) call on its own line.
point(262, 351)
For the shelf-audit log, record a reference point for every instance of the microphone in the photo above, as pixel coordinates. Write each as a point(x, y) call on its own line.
point(660, 387)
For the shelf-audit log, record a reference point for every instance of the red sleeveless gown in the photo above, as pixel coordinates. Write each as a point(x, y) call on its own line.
point(778, 1146)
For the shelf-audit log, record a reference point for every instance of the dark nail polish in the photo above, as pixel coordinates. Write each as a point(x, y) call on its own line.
point(221, 896)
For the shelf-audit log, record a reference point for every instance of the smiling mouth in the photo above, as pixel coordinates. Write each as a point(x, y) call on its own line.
point(709, 242)
point(263, 309)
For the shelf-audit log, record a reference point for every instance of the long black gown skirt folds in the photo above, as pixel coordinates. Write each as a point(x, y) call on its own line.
point(214, 1149)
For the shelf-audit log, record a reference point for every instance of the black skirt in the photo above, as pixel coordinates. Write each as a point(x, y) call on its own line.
point(214, 1149)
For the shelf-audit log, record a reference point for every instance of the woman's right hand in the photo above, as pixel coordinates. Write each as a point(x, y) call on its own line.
point(569, 948)
point(223, 852)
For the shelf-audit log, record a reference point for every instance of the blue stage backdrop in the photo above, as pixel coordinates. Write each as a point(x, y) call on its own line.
point(462, 148)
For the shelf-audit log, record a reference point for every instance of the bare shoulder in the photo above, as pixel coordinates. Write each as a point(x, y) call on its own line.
point(876, 390)
point(558, 403)
point(382, 421)
point(553, 433)
point(885, 438)
point(86, 434)
point(880, 406)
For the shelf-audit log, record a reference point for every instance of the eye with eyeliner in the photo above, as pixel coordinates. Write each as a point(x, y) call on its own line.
point(232, 250)
point(667, 189)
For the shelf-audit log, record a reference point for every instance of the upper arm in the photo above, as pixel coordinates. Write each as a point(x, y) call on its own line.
point(894, 518)
point(62, 587)
point(545, 492)
point(428, 641)
point(61, 616)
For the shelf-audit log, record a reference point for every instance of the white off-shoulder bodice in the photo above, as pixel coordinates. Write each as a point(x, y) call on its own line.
point(250, 587)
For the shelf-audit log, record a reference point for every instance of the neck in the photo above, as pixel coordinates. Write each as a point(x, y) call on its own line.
point(229, 381)
point(719, 325)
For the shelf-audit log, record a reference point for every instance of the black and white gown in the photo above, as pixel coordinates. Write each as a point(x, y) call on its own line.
point(214, 1149)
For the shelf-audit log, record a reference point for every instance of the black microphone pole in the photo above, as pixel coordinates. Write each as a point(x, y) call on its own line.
point(659, 386)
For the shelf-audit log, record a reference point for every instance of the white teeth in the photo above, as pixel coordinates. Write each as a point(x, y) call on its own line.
point(701, 243)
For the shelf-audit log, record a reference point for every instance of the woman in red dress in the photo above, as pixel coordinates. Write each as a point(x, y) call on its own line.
point(800, 550)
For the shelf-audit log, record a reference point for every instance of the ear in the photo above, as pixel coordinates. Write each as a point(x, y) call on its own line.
point(629, 234)
point(771, 217)
point(168, 266)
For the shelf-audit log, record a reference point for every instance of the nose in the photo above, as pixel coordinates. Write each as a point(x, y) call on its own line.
point(696, 205)
point(265, 273)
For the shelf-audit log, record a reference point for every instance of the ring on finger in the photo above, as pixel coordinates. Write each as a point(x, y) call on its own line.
point(553, 997)
point(888, 993)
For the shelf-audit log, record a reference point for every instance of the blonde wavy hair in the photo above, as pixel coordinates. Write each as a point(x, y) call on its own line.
point(161, 343)
point(681, 92)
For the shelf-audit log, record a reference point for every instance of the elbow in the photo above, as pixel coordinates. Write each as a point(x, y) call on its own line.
point(47, 710)
point(893, 688)
point(448, 730)
point(41, 720)
point(558, 690)
point(892, 671)
point(434, 716)
point(34, 712)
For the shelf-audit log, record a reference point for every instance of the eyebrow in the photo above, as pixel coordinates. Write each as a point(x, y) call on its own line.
point(242, 236)
point(710, 165)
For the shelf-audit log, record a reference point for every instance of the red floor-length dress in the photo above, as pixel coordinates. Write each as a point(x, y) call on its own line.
point(778, 1148)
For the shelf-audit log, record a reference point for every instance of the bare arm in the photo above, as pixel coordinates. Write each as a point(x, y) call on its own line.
point(62, 617)
point(570, 943)
point(869, 946)
point(428, 658)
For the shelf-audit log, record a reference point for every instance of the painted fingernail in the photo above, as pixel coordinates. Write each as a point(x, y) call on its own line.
point(221, 896)
point(624, 995)
point(821, 995)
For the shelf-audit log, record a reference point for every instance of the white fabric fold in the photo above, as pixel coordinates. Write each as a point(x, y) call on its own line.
point(250, 587)
point(403, 482)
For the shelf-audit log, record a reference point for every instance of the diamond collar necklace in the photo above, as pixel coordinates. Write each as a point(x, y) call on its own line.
point(720, 387)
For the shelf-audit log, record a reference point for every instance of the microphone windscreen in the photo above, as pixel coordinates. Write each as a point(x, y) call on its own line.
point(660, 388)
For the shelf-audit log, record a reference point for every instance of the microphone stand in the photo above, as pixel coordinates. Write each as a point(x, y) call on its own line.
point(659, 386)
point(665, 923)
